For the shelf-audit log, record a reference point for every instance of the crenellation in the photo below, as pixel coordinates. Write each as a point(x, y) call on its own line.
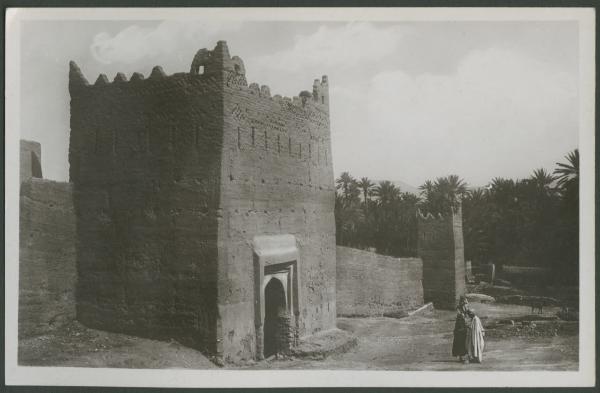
point(254, 88)
point(162, 168)
point(102, 80)
point(137, 77)
point(120, 78)
point(265, 91)
point(157, 72)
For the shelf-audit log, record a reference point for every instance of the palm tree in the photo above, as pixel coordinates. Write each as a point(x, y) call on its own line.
point(456, 188)
point(366, 185)
point(568, 174)
point(347, 185)
point(541, 178)
point(426, 188)
point(344, 182)
point(444, 194)
point(386, 192)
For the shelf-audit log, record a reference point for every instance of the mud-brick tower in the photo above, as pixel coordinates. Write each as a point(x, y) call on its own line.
point(204, 207)
point(441, 247)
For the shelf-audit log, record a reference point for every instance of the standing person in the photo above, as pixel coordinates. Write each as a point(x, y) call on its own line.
point(459, 347)
point(475, 342)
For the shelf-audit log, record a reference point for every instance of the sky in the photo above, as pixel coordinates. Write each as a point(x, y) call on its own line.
point(409, 101)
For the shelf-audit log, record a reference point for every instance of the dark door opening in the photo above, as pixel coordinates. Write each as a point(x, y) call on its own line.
point(277, 319)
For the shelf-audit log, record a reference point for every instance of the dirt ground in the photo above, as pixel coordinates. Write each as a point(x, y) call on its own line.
point(424, 343)
point(419, 342)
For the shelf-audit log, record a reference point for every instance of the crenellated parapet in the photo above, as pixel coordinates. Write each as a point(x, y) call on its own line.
point(214, 65)
point(174, 176)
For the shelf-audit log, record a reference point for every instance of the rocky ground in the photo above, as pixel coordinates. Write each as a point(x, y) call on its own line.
point(516, 340)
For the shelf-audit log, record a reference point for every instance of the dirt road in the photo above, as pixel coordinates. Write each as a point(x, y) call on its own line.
point(413, 343)
point(424, 343)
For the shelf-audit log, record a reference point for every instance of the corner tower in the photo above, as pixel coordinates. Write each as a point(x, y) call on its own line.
point(441, 247)
point(204, 207)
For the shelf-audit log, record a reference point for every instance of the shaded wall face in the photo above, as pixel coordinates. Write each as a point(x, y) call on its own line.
point(441, 248)
point(30, 160)
point(370, 284)
point(145, 163)
point(277, 179)
point(47, 267)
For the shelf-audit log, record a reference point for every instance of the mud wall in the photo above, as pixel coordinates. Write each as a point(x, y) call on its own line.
point(145, 158)
point(30, 160)
point(47, 268)
point(441, 247)
point(370, 284)
point(277, 179)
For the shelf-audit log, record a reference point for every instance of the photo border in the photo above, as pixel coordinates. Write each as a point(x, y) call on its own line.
point(55, 376)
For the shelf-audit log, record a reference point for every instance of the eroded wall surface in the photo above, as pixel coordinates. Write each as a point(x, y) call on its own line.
point(441, 247)
point(370, 284)
point(174, 176)
point(47, 267)
point(145, 158)
point(30, 160)
point(277, 179)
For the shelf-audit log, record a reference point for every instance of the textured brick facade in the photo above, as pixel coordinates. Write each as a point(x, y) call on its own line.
point(174, 179)
point(47, 268)
point(370, 284)
point(441, 247)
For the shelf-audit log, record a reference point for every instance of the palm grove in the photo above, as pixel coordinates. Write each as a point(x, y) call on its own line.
point(526, 222)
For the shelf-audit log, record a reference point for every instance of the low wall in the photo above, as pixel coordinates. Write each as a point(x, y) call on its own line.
point(47, 270)
point(370, 284)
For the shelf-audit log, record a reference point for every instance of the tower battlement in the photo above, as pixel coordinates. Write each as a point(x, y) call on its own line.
point(207, 65)
point(177, 178)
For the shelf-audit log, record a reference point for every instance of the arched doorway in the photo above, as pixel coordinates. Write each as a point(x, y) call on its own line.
point(277, 319)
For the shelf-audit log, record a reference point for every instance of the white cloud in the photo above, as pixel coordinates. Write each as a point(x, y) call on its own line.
point(501, 114)
point(329, 47)
point(135, 43)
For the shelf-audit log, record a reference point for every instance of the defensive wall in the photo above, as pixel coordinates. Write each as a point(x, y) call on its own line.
point(370, 284)
point(47, 268)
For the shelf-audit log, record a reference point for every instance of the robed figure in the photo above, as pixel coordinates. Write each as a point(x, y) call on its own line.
point(459, 345)
point(475, 342)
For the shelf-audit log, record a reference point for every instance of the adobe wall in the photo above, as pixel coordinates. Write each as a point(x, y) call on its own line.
point(47, 267)
point(370, 284)
point(277, 180)
point(30, 160)
point(441, 247)
point(145, 161)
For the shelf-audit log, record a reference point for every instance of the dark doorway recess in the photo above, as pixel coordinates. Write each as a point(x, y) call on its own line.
point(277, 319)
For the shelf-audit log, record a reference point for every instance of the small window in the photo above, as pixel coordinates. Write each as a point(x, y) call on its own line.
point(201, 70)
point(252, 136)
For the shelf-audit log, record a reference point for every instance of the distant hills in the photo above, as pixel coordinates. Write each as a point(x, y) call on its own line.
point(403, 186)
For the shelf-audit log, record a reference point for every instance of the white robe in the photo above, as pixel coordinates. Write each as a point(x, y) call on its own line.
point(475, 342)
